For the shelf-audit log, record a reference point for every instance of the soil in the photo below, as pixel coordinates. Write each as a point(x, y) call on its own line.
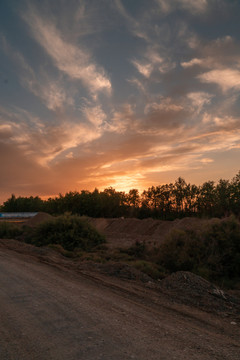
point(53, 307)
point(38, 219)
point(125, 232)
point(58, 308)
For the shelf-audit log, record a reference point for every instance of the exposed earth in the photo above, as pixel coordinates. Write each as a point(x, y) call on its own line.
point(125, 232)
point(53, 307)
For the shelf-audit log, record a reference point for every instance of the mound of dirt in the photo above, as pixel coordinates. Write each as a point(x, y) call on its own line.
point(99, 223)
point(192, 289)
point(147, 227)
point(122, 232)
point(38, 219)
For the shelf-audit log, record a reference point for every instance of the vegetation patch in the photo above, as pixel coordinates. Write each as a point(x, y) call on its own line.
point(9, 231)
point(149, 268)
point(71, 232)
point(213, 252)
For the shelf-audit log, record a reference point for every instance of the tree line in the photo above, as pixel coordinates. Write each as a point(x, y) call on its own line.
point(166, 202)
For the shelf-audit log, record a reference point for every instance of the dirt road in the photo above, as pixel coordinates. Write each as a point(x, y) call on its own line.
point(53, 313)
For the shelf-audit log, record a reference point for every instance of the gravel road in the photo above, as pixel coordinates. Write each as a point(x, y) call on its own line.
point(53, 313)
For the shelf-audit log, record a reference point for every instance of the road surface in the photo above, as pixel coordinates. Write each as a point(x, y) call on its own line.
point(53, 313)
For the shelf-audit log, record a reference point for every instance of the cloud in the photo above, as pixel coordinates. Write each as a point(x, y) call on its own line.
point(222, 52)
point(206, 160)
point(174, 121)
point(5, 131)
point(165, 104)
point(153, 62)
point(55, 140)
point(69, 58)
point(199, 99)
point(139, 85)
point(122, 120)
point(44, 142)
point(134, 25)
point(128, 152)
point(94, 114)
point(50, 91)
point(226, 79)
point(144, 69)
point(192, 62)
point(194, 6)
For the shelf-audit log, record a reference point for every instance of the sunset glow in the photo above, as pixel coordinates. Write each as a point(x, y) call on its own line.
point(119, 93)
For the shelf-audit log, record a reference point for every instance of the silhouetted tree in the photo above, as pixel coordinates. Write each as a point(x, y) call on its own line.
point(167, 201)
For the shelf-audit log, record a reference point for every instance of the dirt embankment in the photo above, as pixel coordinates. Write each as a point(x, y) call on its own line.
point(125, 232)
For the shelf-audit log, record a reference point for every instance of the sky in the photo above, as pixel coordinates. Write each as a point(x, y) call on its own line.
point(121, 93)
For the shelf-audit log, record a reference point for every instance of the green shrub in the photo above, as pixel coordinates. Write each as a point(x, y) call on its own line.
point(9, 231)
point(213, 252)
point(71, 232)
point(222, 242)
point(182, 250)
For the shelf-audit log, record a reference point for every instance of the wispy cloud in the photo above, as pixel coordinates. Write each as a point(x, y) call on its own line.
point(194, 6)
point(153, 62)
point(50, 91)
point(41, 141)
point(134, 24)
point(199, 99)
point(94, 114)
point(69, 58)
point(144, 69)
point(171, 78)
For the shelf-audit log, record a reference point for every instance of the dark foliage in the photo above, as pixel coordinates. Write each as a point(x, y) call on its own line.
point(165, 202)
point(213, 252)
point(71, 232)
point(9, 231)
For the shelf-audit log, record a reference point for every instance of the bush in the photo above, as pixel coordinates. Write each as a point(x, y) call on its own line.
point(222, 242)
point(182, 250)
point(9, 231)
point(149, 268)
point(71, 232)
point(213, 252)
